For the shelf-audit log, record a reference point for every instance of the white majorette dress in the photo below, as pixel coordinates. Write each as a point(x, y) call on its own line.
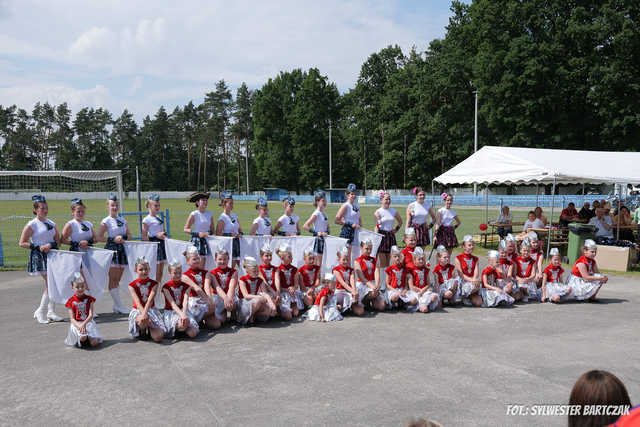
point(264, 226)
point(245, 305)
point(116, 227)
point(398, 282)
point(177, 290)
point(330, 311)
point(368, 267)
point(419, 217)
point(155, 225)
point(80, 231)
point(320, 226)
point(143, 288)
point(201, 223)
point(420, 276)
point(583, 289)
point(524, 267)
point(343, 297)
point(446, 281)
point(198, 306)
point(42, 233)
point(468, 264)
point(287, 279)
point(386, 221)
point(446, 234)
point(80, 306)
point(288, 223)
point(491, 298)
point(231, 227)
point(554, 284)
point(351, 216)
point(223, 277)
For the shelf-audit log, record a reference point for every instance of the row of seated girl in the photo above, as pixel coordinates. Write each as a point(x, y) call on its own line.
point(196, 298)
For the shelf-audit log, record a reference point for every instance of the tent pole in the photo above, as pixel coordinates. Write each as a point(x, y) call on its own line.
point(536, 195)
point(583, 194)
point(553, 194)
point(486, 204)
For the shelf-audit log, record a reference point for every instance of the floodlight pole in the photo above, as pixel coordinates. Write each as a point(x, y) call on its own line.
point(475, 137)
point(330, 165)
point(553, 194)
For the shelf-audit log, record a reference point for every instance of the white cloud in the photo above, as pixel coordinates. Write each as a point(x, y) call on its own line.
point(184, 46)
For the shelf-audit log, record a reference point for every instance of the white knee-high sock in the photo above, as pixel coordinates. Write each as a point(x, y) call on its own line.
point(44, 301)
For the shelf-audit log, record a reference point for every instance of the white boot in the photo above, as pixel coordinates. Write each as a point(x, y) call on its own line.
point(41, 313)
point(118, 307)
point(51, 313)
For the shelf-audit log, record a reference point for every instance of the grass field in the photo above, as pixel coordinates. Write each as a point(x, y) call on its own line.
point(15, 214)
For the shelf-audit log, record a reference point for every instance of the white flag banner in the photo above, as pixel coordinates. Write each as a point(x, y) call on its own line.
point(363, 234)
point(250, 246)
point(134, 250)
point(330, 256)
point(95, 267)
point(214, 242)
point(175, 250)
point(298, 245)
point(60, 268)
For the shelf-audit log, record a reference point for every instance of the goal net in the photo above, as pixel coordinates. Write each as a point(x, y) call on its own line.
point(60, 185)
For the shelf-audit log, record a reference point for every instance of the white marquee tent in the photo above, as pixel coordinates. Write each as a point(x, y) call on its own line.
point(513, 165)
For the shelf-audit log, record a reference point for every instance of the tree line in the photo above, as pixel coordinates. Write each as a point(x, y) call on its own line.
point(548, 73)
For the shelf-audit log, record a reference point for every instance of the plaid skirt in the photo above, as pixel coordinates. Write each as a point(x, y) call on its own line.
point(318, 246)
point(422, 234)
point(161, 253)
point(37, 262)
point(347, 232)
point(201, 244)
point(120, 256)
point(446, 236)
point(388, 240)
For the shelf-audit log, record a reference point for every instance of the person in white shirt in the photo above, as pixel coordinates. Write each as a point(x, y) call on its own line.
point(603, 223)
point(386, 219)
point(229, 225)
point(531, 222)
point(262, 224)
point(318, 224)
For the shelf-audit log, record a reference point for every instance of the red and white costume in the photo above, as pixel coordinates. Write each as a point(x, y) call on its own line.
point(420, 276)
point(287, 280)
point(343, 297)
point(177, 290)
point(143, 289)
point(368, 266)
point(198, 306)
point(525, 267)
point(329, 309)
point(555, 285)
point(255, 286)
point(468, 265)
point(491, 297)
point(397, 275)
point(446, 280)
point(581, 288)
point(80, 306)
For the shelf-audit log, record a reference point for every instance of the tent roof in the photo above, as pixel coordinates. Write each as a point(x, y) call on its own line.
point(513, 165)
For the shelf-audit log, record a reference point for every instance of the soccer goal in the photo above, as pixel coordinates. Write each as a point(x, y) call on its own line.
point(60, 185)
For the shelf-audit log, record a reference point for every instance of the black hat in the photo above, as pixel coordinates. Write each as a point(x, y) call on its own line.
point(194, 197)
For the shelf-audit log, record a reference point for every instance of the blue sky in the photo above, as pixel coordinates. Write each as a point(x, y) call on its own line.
point(117, 54)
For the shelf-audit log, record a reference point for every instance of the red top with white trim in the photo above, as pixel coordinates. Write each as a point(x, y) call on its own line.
point(420, 276)
point(397, 275)
point(590, 263)
point(287, 275)
point(554, 274)
point(325, 292)
point(142, 288)
point(198, 277)
point(223, 276)
point(309, 274)
point(268, 271)
point(524, 267)
point(444, 273)
point(408, 257)
point(345, 272)
point(368, 267)
point(493, 274)
point(80, 306)
point(253, 285)
point(177, 291)
point(468, 263)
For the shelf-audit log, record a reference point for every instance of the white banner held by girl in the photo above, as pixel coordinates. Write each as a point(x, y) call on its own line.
point(95, 267)
point(60, 268)
point(250, 246)
point(135, 250)
point(214, 242)
point(363, 234)
point(298, 245)
point(330, 257)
